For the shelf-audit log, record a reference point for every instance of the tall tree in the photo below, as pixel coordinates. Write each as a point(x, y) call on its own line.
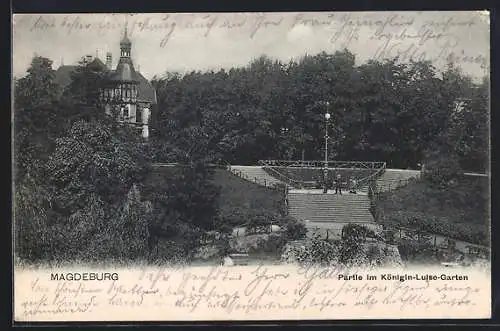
point(36, 118)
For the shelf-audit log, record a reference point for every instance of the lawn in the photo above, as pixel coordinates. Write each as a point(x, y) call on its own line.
point(240, 199)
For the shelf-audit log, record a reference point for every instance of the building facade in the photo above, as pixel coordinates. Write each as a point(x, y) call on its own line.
point(125, 92)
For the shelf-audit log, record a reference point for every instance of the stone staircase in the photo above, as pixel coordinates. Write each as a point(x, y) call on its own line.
point(255, 174)
point(330, 212)
point(327, 214)
point(394, 178)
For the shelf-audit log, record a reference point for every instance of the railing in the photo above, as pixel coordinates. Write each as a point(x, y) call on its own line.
point(287, 180)
point(312, 184)
point(402, 232)
point(161, 165)
point(255, 180)
point(394, 185)
point(367, 180)
point(176, 164)
point(321, 164)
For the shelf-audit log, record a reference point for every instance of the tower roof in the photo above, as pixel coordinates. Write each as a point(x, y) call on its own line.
point(125, 41)
point(125, 71)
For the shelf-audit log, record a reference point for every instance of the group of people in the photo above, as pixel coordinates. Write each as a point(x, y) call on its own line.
point(338, 184)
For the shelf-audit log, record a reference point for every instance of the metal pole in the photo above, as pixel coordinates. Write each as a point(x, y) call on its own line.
point(325, 172)
point(326, 143)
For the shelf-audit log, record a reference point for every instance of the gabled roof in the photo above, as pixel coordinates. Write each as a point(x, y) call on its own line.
point(97, 64)
point(145, 91)
point(63, 75)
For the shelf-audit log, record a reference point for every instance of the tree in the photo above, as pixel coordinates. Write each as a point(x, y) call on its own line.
point(93, 159)
point(87, 80)
point(32, 214)
point(184, 203)
point(36, 118)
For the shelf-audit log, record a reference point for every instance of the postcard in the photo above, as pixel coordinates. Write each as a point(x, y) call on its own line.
point(251, 166)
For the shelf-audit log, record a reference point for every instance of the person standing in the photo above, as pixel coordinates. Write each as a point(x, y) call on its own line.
point(338, 183)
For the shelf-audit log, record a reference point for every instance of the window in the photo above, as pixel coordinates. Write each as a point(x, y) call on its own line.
point(126, 113)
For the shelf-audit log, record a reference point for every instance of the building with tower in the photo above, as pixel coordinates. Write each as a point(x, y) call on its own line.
point(125, 91)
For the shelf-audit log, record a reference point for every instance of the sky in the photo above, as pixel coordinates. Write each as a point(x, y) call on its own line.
point(203, 41)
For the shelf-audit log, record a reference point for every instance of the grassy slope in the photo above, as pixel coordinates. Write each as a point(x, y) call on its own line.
point(460, 210)
point(239, 198)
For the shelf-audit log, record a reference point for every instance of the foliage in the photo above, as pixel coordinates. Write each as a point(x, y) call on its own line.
point(382, 111)
point(36, 118)
point(459, 211)
point(389, 236)
point(31, 212)
point(294, 229)
point(92, 159)
point(240, 201)
point(417, 251)
point(318, 251)
point(353, 237)
point(184, 203)
point(441, 171)
point(86, 82)
point(81, 178)
point(350, 250)
point(83, 200)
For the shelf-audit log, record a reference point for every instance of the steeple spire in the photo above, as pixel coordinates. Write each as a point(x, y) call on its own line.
point(125, 44)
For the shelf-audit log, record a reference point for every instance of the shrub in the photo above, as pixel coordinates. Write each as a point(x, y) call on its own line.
point(413, 250)
point(389, 236)
point(353, 237)
point(318, 251)
point(355, 232)
point(375, 255)
point(442, 170)
point(294, 229)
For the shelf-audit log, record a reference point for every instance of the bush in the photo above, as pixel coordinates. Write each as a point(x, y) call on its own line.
point(294, 229)
point(355, 232)
point(353, 237)
point(389, 236)
point(375, 255)
point(269, 244)
point(318, 251)
point(442, 170)
point(415, 251)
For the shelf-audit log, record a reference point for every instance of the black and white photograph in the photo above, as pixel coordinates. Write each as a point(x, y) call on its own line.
point(328, 142)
